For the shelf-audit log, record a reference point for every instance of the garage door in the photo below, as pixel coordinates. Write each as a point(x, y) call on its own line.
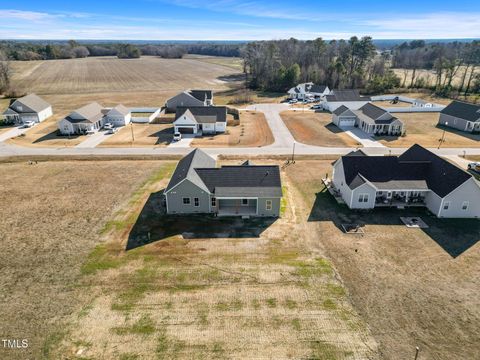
point(347, 122)
point(185, 130)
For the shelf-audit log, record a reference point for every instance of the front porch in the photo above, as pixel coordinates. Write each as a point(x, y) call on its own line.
point(400, 199)
point(237, 207)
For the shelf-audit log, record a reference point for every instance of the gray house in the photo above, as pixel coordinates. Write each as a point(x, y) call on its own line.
point(370, 118)
point(461, 116)
point(417, 178)
point(190, 98)
point(28, 108)
point(198, 186)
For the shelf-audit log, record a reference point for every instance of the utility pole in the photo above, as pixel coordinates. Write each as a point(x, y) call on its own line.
point(131, 128)
point(293, 153)
point(443, 137)
point(417, 350)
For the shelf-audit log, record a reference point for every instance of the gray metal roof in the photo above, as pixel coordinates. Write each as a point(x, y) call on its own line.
point(463, 110)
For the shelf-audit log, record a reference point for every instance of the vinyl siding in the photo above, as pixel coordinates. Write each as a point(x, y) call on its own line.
point(339, 182)
point(453, 122)
point(363, 189)
point(468, 191)
point(262, 209)
point(187, 189)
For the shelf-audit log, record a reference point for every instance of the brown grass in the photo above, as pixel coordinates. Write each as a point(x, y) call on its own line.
point(50, 217)
point(316, 129)
point(408, 287)
point(430, 76)
point(145, 135)
point(421, 128)
point(252, 130)
point(473, 157)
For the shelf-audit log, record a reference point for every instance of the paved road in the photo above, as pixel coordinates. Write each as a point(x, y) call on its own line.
point(283, 145)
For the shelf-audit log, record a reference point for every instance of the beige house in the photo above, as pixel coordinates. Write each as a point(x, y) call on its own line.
point(28, 108)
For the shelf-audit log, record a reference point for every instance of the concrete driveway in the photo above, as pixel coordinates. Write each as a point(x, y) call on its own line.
point(14, 132)
point(183, 143)
point(94, 140)
point(363, 138)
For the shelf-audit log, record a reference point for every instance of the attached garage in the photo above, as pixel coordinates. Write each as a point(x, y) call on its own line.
point(185, 129)
point(346, 121)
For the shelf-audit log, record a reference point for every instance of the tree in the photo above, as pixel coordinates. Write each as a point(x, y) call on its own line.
point(52, 52)
point(80, 52)
point(5, 73)
point(128, 51)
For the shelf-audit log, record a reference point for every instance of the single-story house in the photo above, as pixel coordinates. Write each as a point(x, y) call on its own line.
point(190, 98)
point(370, 118)
point(88, 118)
point(461, 116)
point(199, 120)
point(28, 108)
point(349, 98)
point(198, 186)
point(418, 177)
point(308, 90)
point(118, 116)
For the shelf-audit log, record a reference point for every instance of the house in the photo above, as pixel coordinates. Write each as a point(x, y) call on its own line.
point(190, 98)
point(461, 116)
point(89, 118)
point(349, 98)
point(118, 116)
point(198, 186)
point(370, 118)
point(418, 177)
point(200, 120)
point(308, 90)
point(28, 108)
point(422, 103)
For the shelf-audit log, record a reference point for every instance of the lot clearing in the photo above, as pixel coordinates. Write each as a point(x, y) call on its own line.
point(144, 135)
point(413, 287)
point(421, 128)
point(251, 130)
point(313, 128)
point(246, 289)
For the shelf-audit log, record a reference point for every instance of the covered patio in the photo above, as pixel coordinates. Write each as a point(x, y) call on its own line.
point(237, 206)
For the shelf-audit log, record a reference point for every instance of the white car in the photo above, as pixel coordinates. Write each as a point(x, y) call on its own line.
point(108, 126)
point(111, 131)
point(28, 124)
point(177, 136)
point(293, 101)
point(475, 166)
point(317, 107)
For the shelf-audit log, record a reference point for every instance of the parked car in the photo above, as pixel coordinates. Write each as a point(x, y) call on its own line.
point(108, 126)
point(112, 130)
point(475, 166)
point(90, 132)
point(177, 136)
point(317, 107)
point(293, 101)
point(28, 124)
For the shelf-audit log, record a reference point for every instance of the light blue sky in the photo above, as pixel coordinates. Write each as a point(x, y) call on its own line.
point(238, 19)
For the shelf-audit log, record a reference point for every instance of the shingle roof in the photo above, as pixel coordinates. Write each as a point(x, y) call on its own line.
point(204, 114)
point(121, 109)
point(33, 102)
point(340, 110)
point(371, 114)
point(90, 113)
point(414, 165)
point(463, 110)
point(201, 95)
point(346, 95)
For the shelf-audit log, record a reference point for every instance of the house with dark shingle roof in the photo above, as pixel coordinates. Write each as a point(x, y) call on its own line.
point(190, 98)
point(200, 120)
point(370, 118)
point(461, 116)
point(28, 108)
point(349, 98)
point(418, 177)
point(198, 186)
point(308, 90)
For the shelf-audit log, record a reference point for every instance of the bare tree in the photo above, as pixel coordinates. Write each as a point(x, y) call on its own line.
point(5, 73)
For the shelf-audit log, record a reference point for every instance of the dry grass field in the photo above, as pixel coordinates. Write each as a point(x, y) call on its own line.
point(234, 63)
point(429, 76)
point(187, 288)
point(413, 287)
point(316, 129)
point(144, 135)
point(50, 218)
point(251, 130)
point(422, 129)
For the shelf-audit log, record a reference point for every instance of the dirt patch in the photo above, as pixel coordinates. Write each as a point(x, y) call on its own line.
point(144, 135)
point(414, 287)
point(251, 130)
point(422, 128)
point(316, 129)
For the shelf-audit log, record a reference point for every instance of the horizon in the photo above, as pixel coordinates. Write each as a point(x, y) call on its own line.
point(237, 20)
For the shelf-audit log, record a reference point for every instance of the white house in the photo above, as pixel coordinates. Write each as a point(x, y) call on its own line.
point(349, 98)
point(308, 90)
point(370, 118)
point(28, 108)
point(89, 118)
point(118, 116)
point(417, 178)
point(199, 120)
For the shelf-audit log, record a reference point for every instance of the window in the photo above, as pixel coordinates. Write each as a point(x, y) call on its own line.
point(244, 202)
point(268, 205)
point(186, 201)
point(465, 205)
point(196, 202)
point(446, 205)
point(363, 198)
point(214, 202)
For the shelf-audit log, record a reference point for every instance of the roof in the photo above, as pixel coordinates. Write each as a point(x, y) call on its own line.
point(341, 110)
point(260, 180)
point(90, 113)
point(204, 114)
point(201, 95)
point(371, 114)
point(32, 102)
point(308, 88)
point(121, 109)
point(234, 181)
point(415, 167)
point(463, 110)
point(346, 95)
